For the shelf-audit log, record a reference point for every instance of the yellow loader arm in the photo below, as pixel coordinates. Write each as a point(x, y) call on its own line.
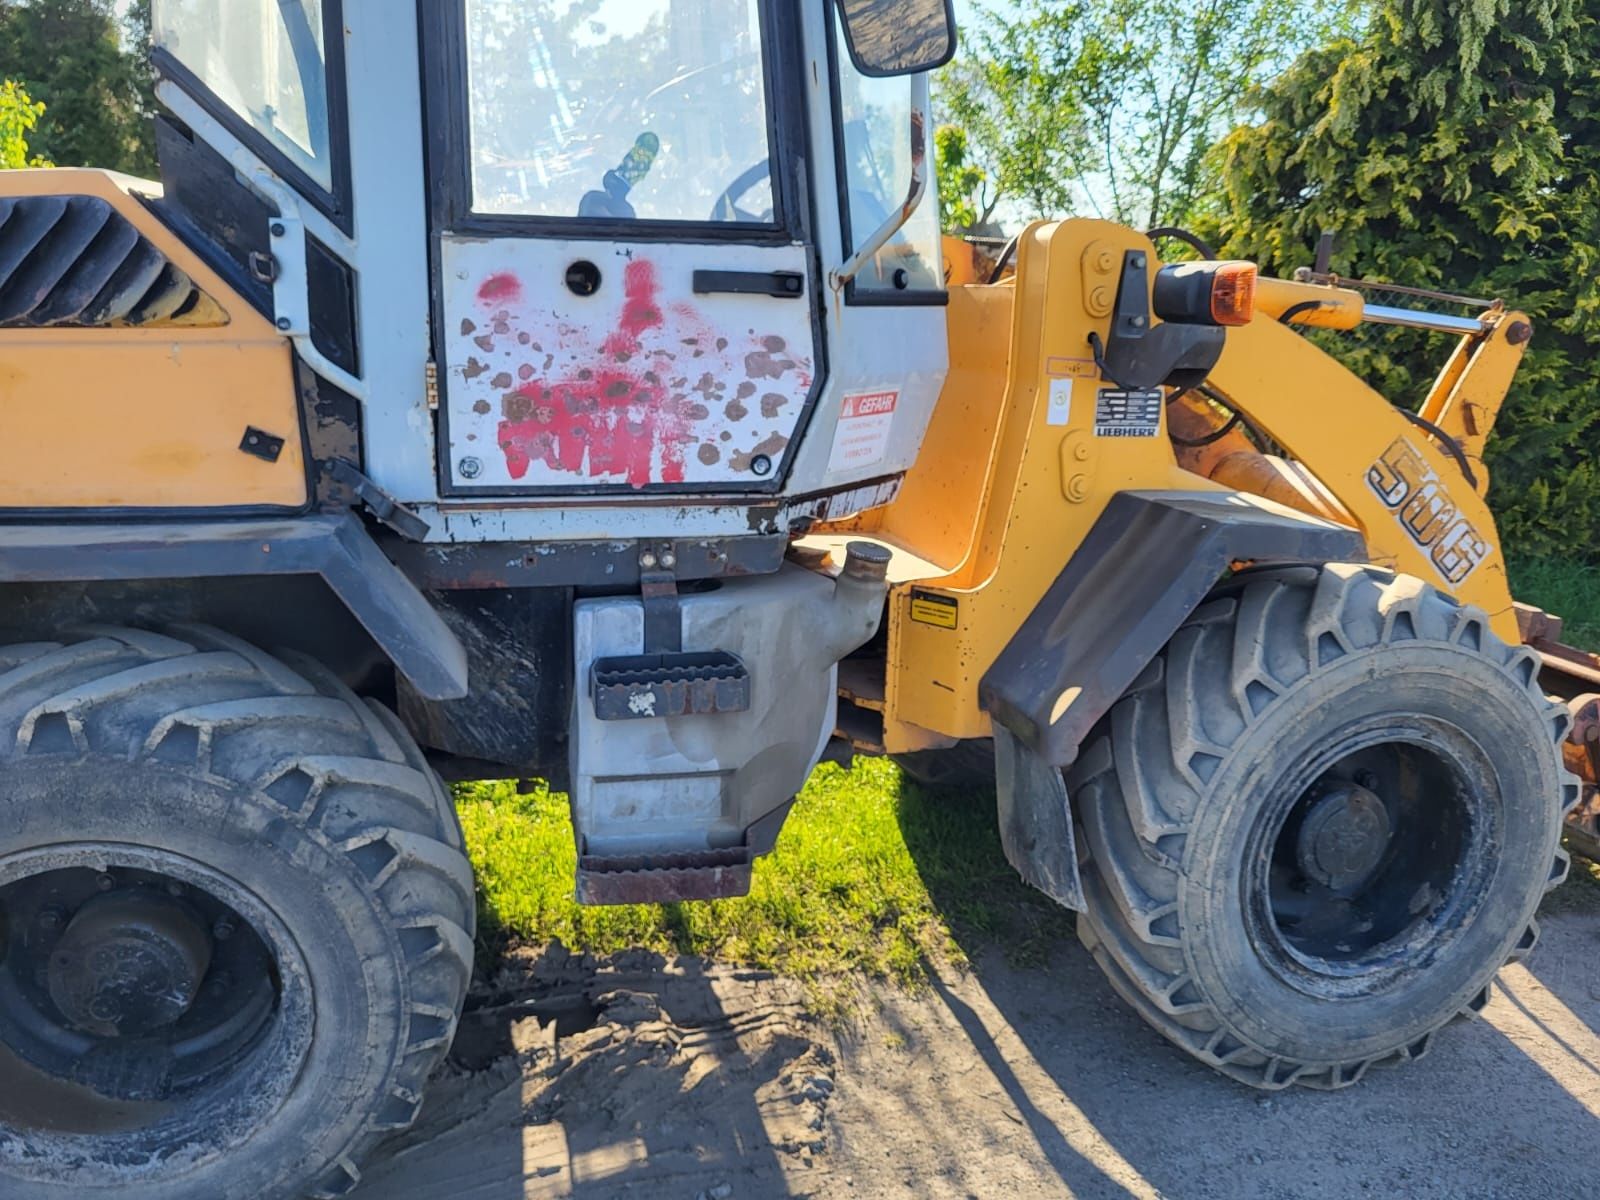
point(1419, 510)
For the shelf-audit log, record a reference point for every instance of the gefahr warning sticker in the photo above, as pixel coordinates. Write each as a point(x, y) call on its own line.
point(862, 436)
point(1120, 413)
point(930, 608)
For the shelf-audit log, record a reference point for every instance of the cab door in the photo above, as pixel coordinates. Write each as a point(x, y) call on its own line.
point(625, 284)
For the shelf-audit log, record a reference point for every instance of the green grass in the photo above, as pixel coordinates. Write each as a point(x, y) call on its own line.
point(1569, 590)
point(869, 876)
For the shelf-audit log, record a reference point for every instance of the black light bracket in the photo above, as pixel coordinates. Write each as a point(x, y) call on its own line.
point(1138, 355)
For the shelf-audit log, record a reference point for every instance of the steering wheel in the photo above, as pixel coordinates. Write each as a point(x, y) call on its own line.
point(727, 206)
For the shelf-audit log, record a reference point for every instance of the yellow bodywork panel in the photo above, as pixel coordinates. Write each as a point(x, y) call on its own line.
point(1024, 453)
point(1011, 476)
point(146, 417)
point(1466, 398)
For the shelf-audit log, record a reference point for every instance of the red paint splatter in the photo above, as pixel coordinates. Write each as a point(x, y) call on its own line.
point(640, 311)
point(500, 288)
point(615, 417)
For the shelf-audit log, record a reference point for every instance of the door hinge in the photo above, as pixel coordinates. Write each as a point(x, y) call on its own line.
point(430, 384)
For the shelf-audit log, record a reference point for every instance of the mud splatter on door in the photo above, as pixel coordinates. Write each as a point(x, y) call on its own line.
point(640, 384)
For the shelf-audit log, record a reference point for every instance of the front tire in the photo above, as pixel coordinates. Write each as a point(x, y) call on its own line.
point(1319, 823)
point(236, 922)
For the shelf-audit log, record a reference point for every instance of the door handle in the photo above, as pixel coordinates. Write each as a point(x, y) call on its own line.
point(782, 285)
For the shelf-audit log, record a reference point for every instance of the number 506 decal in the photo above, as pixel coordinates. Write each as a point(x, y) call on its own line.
point(1412, 490)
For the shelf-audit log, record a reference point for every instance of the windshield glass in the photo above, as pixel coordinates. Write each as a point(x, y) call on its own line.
point(619, 109)
point(265, 60)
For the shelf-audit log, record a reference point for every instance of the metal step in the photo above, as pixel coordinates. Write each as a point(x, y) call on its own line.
point(861, 682)
point(672, 684)
point(861, 727)
point(664, 878)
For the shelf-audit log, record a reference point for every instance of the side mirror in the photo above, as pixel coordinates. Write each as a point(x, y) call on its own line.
point(899, 37)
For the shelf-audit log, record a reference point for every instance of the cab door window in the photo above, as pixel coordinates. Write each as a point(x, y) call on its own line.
point(646, 110)
point(875, 159)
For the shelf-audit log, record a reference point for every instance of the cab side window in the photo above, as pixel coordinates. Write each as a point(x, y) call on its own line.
point(266, 60)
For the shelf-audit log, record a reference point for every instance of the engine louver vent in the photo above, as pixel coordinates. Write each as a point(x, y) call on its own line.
point(75, 261)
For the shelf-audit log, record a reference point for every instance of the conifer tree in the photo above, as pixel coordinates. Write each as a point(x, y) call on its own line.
point(69, 54)
point(1455, 145)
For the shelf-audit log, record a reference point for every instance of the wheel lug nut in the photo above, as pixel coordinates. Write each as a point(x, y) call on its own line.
point(51, 918)
point(174, 888)
point(1367, 779)
point(223, 929)
point(105, 883)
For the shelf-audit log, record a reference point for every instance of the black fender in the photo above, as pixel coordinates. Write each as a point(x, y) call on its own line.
point(336, 546)
point(1148, 562)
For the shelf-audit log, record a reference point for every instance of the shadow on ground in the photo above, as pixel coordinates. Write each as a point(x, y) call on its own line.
point(638, 1075)
point(1022, 1075)
point(1094, 1095)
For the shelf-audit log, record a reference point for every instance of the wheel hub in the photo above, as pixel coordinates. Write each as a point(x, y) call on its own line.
point(1344, 836)
point(130, 963)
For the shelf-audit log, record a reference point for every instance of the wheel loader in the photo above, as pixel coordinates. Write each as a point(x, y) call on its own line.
point(510, 389)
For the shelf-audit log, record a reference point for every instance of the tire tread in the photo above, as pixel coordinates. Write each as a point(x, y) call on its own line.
point(1140, 778)
point(376, 790)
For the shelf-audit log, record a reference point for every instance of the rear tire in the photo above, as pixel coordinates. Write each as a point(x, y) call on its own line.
point(177, 777)
point(1319, 823)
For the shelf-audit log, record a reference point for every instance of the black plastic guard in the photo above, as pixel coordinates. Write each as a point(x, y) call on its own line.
point(335, 546)
point(1146, 565)
point(1036, 820)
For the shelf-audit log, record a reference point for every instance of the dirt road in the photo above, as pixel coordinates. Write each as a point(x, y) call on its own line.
point(680, 1080)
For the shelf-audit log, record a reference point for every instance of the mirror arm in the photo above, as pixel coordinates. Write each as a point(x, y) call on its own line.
point(921, 103)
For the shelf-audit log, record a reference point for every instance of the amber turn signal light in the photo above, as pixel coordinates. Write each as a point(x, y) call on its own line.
point(1206, 293)
point(1233, 293)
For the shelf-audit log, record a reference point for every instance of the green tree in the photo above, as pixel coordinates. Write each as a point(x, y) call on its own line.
point(1112, 106)
point(963, 185)
point(1013, 92)
point(69, 54)
point(18, 117)
point(1455, 144)
point(136, 42)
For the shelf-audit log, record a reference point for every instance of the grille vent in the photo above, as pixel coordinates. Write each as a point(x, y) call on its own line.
point(75, 261)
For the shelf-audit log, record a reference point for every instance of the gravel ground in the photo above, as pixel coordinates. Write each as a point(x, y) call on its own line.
point(643, 1077)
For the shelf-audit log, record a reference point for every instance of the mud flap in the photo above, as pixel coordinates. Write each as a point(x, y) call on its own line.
point(1036, 820)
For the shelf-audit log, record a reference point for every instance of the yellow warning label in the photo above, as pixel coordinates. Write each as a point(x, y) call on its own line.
point(930, 608)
